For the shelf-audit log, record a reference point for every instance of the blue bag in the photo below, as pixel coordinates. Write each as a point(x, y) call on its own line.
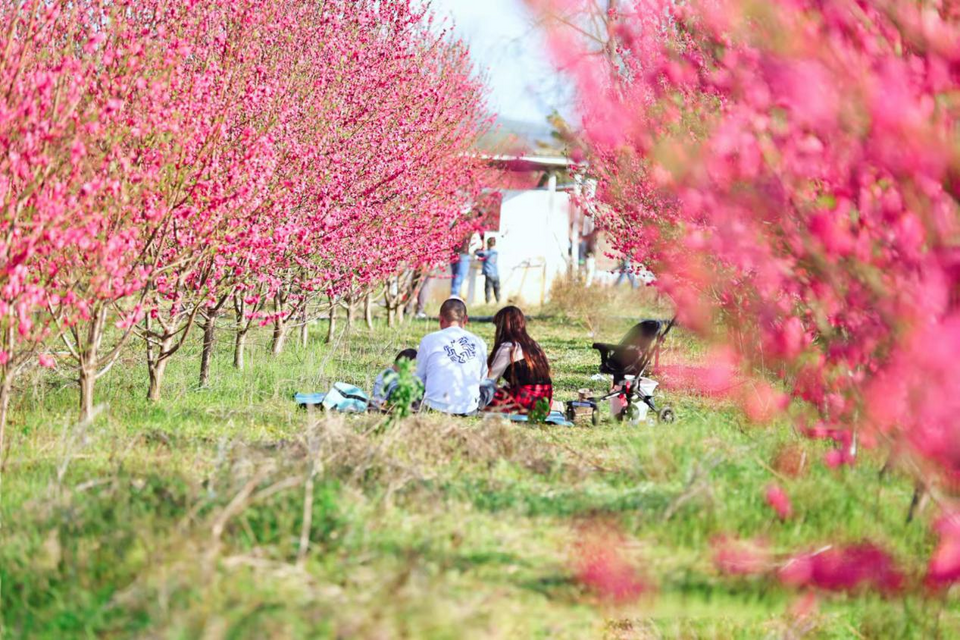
point(309, 399)
point(346, 398)
point(555, 418)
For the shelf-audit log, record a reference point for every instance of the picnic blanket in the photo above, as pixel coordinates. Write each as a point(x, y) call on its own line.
point(348, 398)
point(555, 418)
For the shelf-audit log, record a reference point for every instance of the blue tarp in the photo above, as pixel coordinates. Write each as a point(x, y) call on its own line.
point(311, 399)
point(555, 418)
point(353, 404)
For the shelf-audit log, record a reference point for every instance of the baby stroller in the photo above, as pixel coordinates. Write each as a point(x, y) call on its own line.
point(627, 362)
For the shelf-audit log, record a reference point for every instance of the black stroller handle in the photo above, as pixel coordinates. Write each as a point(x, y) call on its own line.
point(654, 352)
point(670, 325)
point(640, 347)
point(605, 346)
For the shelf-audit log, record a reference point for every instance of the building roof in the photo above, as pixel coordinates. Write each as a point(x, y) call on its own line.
point(527, 162)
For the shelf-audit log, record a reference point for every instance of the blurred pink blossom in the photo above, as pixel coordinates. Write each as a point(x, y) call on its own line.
point(779, 501)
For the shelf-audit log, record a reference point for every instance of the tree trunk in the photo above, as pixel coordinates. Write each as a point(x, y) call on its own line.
point(304, 327)
point(242, 326)
point(238, 348)
point(391, 298)
point(351, 312)
point(368, 310)
point(87, 379)
point(279, 335)
point(156, 379)
point(403, 290)
point(6, 389)
point(209, 336)
point(280, 324)
point(416, 283)
point(90, 363)
point(332, 325)
point(157, 366)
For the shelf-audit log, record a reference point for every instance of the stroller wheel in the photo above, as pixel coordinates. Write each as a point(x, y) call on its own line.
point(666, 415)
point(630, 414)
point(571, 413)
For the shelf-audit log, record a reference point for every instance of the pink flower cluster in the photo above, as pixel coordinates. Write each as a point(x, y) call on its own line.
point(790, 170)
point(837, 568)
point(845, 568)
point(600, 565)
point(161, 156)
point(779, 501)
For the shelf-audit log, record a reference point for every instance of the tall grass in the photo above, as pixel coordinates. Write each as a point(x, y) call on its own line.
point(597, 309)
point(226, 512)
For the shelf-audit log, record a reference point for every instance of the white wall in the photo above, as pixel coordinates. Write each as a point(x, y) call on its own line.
point(533, 241)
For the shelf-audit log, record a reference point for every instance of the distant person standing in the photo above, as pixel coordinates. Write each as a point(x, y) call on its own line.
point(588, 253)
point(491, 272)
point(420, 286)
point(460, 268)
point(626, 272)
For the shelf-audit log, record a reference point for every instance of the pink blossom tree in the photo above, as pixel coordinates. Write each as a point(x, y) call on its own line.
point(151, 96)
point(35, 130)
point(78, 207)
point(230, 104)
point(166, 157)
point(790, 170)
point(391, 171)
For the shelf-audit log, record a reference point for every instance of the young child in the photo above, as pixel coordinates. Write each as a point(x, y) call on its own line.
point(386, 382)
point(491, 274)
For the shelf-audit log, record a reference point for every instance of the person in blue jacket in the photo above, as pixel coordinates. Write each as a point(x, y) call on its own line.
point(491, 273)
point(460, 268)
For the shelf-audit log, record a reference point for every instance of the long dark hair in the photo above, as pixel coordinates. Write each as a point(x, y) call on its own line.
point(512, 327)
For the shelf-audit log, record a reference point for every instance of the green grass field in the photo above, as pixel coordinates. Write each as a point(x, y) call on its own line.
point(187, 519)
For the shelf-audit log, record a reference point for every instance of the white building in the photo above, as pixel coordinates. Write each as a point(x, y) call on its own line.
point(537, 239)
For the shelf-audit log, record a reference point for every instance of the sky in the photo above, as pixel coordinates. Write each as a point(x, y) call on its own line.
point(506, 46)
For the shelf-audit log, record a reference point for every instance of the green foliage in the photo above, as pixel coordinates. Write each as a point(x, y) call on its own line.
point(540, 412)
point(408, 390)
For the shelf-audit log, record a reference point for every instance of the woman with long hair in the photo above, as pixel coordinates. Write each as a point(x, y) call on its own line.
point(519, 360)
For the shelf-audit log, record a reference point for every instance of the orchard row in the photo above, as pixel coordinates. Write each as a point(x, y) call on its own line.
point(167, 160)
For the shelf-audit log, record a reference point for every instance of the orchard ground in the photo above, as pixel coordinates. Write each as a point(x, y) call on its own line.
point(186, 518)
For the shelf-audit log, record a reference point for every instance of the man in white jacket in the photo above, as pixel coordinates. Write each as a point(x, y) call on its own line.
point(452, 363)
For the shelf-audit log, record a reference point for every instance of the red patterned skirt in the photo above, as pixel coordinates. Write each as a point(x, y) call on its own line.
point(520, 399)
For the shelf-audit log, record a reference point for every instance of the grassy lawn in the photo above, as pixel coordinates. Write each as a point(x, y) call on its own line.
point(187, 519)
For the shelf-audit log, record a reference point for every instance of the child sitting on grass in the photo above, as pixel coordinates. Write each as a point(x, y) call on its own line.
point(386, 382)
